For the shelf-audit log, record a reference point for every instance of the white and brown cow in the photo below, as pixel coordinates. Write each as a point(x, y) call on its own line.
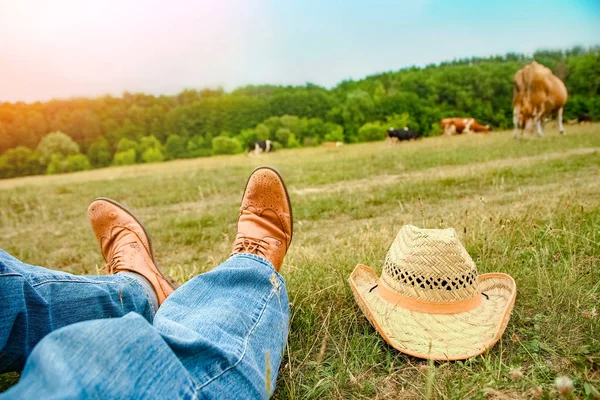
point(450, 126)
point(537, 94)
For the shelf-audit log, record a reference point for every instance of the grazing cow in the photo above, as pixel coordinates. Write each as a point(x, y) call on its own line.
point(584, 119)
point(537, 94)
point(450, 126)
point(399, 135)
point(333, 144)
point(261, 146)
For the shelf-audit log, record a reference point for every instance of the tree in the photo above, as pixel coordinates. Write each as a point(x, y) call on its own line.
point(153, 155)
point(99, 153)
point(358, 108)
point(78, 162)
point(225, 145)
point(124, 157)
point(335, 134)
point(176, 147)
point(371, 131)
point(283, 135)
point(56, 143)
point(127, 144)
point(19, 161)
point(57, 165)
point(150, 149)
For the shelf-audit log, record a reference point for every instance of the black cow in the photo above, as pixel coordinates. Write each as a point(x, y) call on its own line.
point(402, 134)
point(261, 146)
point(584, 118)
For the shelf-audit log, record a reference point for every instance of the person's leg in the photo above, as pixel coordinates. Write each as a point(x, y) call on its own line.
point(36, 301)
point(229, 327)
point(220, 335)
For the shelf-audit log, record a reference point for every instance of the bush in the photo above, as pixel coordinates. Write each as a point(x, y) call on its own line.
point(176, 147)
point(56, 143)
point(276, 146)
point(149, 142)
point(283, 135)
point(20, 161)
point(153, 155)
point(99, 153)
point(292, 142)
point(335, 135)
point(77, 162)
point(371, 131)
point(57, 165)
point(225, 145)
point(124, 157)
point(198, 147)
point(126, 144)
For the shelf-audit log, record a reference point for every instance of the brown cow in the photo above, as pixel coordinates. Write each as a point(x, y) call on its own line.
point(537, 94)
point(451, 126)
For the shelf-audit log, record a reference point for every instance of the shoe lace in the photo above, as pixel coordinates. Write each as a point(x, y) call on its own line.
point(251, 245)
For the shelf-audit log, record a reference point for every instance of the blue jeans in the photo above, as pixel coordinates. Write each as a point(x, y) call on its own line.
point(220, 335)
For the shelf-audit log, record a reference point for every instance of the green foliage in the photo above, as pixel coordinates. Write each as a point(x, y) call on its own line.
point(292, 142)
point(198, 146)
point(184, 125)
point(176, 147)
point(99, 153)
point(371, 131)
point(397, 121)
point(153, 155)
point(283, 135)
point(56, 143)
point(262, 132)
point(78, 162)
point(72, 163)
point(124, 157)
point(57, 165)
point(150, 150)
point(225, 145)
point(336, 134)
point(18, 162)
point(126, 144)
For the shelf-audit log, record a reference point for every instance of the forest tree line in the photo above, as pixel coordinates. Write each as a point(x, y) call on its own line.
point(82, 133)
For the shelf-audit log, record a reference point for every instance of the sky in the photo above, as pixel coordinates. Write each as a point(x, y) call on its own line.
point(68, 48)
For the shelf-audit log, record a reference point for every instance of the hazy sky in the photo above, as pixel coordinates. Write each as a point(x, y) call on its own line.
point(64, 48)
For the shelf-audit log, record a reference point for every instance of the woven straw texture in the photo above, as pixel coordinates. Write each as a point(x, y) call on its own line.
point(432, 266)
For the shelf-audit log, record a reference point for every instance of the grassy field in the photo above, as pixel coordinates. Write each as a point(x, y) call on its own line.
point(530, 208)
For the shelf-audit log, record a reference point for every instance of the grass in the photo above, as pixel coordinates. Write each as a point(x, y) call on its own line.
point(530, 208)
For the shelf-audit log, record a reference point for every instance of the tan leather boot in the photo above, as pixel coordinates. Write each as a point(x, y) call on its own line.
point(265, 222)
point(125, 244)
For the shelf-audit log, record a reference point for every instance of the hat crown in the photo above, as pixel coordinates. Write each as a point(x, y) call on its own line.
point(430, 265)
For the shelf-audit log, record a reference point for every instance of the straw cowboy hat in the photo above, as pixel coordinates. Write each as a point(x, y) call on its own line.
point(429, 301)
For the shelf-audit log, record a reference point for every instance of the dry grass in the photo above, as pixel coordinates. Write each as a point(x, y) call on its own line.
point(530, 208)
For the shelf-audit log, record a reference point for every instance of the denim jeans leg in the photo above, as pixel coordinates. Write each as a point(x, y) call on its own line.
point(229, 327)
point(116, 358)
point(219, 336)
point(36, 301)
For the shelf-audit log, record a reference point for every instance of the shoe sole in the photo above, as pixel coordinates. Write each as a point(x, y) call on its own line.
point(286, 195)
point(115, 203)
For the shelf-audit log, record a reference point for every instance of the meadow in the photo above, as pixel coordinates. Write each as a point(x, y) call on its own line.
point(529, 208)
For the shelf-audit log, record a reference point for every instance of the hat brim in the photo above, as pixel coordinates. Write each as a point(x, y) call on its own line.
point(438, 336)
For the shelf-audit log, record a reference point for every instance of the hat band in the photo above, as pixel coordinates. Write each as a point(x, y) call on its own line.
point(428, 307)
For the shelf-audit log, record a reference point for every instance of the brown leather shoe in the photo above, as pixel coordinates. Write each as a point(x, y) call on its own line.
point(265, 223)
point(125, 244)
